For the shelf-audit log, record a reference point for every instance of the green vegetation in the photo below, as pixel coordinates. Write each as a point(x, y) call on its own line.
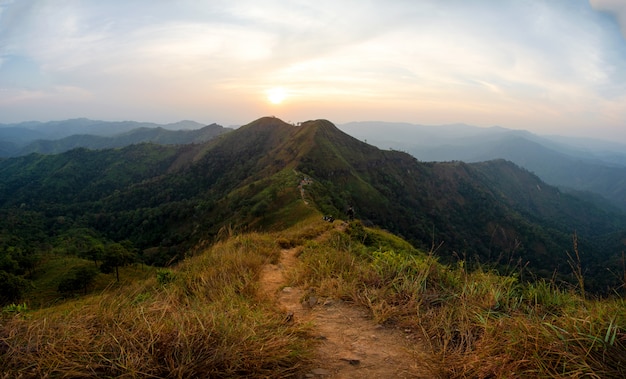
point(205, 317)
point(80, 279)
point(145, 261)
point(164, 200)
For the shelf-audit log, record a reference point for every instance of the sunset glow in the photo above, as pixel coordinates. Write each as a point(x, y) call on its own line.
point(276, 95)
point(550, 67)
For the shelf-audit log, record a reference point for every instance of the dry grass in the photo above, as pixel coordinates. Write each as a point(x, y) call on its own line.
point(200, 325)
point(475, 324)
point(208, 319)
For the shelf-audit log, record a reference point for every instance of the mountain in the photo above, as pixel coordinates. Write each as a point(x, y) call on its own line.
point(58, 136)
point(65, 128)
point(597, 167)
point(157, 135)
point(257, 262)
point(166, 199)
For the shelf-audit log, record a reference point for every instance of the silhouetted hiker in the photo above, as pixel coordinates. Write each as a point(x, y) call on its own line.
point(350, 213)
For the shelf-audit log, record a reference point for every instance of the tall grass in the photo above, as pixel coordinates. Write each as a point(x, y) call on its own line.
point(208, 321)
point(474, 324)
point(206, 318)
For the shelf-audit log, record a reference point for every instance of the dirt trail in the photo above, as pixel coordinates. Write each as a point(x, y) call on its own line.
point(351, 345)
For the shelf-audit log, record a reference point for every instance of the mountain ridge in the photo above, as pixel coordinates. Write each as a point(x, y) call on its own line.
point(59, 136)
point(169, 198)
point(570, 167)
point(158, 135)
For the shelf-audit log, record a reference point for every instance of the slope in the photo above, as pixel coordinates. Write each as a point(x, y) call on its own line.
point(211, 316)
point(167, 199)
point(598, 167)
point(352, 344)
point(494, 212)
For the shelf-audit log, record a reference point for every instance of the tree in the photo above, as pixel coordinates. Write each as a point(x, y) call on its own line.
point(80, 278)
point(116, 255)
point(260, 208)
point(8, 264)
point(12, 287)
point(28, 261)
point(94, 252)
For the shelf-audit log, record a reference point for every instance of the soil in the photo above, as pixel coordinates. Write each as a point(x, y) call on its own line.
point(351, 344)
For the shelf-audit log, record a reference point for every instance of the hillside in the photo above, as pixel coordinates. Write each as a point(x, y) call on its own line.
point(593, 166)
point(314, 301)
point(164, 200)
point(252, 282)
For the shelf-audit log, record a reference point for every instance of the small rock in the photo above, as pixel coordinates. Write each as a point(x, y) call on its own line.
point(287, 289)
point(320, 371)
point(312, 300)
point(352, 361)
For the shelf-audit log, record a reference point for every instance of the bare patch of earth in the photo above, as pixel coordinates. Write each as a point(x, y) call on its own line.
point(351, 344)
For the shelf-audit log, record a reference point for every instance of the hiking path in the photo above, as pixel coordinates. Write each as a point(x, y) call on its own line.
point(351, 344)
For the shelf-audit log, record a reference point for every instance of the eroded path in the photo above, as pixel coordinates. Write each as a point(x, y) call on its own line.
point(351, 345)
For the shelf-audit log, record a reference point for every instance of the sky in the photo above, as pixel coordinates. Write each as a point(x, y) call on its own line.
point(547, 66)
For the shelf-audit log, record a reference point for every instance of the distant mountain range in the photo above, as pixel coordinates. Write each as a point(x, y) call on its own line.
point(596, 169)
point(58, 136)
point(593, 166)
point(165, 199)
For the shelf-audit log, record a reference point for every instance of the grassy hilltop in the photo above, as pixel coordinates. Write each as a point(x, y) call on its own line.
point(207, 317)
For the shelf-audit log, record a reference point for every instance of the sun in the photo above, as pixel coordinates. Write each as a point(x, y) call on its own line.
point(276, 95)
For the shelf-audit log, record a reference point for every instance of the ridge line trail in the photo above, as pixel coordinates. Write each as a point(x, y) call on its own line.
point(351, 344)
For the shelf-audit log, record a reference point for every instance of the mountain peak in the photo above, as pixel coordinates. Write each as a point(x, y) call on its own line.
point(318, 123)
point(265, 123)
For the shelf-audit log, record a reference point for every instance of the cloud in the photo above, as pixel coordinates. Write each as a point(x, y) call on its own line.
point(457, 47)
point(486, 59)
point(616, 8)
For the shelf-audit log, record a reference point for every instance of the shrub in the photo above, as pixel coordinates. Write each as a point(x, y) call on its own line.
point(15, 308)
point(164, 276)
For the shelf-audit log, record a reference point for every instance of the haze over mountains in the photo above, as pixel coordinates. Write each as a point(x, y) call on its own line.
point(59, 136)
point(594, 166)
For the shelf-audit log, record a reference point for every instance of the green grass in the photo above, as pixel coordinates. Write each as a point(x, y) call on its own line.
point(54, 267)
